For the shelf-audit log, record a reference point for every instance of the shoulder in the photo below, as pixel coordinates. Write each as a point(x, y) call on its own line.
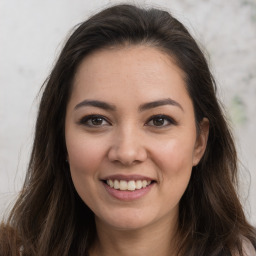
point(248, 248)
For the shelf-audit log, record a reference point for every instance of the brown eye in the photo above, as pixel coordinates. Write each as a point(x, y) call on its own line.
point(97, 121)
point(94, 121)
point(160, 121)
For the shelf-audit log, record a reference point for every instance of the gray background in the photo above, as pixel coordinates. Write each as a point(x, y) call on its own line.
point(33, 32)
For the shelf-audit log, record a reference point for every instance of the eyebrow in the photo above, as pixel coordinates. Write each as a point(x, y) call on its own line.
point(143, 107)
point(159, 103)
point(96, 103)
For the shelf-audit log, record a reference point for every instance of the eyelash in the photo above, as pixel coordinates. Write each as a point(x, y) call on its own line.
point(85, 120)
point(170, 120)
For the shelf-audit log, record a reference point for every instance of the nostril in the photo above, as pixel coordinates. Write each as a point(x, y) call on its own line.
point(127, 153)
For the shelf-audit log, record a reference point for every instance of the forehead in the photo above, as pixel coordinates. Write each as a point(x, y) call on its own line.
point(136, 71)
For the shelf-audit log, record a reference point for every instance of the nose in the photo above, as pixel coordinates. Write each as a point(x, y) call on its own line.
point(127, 148)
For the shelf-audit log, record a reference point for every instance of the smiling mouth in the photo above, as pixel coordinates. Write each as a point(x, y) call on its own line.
point(130, 185)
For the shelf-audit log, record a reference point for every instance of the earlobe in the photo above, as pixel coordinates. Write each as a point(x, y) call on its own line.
point(201, 141)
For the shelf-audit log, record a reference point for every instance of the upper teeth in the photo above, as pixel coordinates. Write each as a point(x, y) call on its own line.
point(128, 185)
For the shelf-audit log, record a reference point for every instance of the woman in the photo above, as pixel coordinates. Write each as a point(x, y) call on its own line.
point(132, 154)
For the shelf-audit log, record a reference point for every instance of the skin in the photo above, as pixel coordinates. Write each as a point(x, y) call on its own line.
point(129, 140)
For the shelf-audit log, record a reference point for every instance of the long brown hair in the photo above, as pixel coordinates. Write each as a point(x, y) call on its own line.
point(49, 218)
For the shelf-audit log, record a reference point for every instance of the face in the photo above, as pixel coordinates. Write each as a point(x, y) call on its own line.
point(131, 136)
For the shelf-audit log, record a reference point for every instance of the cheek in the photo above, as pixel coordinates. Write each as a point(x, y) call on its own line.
point(175, 161)
point(85, 157)
point(84, 153)
point(176, 156)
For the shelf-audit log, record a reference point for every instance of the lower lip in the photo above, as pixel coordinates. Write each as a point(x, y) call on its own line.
point(128, 195)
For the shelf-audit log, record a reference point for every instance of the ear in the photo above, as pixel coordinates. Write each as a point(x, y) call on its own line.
point(201, 141)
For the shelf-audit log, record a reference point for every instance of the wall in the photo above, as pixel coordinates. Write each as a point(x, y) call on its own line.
point(32, 34)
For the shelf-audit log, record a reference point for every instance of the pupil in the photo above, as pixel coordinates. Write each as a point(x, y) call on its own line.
point(97, 121)
point(158, 121)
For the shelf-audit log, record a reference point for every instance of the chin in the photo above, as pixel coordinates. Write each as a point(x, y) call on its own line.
point(128, 225)
point(125, 220)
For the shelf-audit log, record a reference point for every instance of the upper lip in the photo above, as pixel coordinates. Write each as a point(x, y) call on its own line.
point(127, 177)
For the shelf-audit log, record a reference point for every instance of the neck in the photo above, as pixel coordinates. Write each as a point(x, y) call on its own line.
point(157, 239)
